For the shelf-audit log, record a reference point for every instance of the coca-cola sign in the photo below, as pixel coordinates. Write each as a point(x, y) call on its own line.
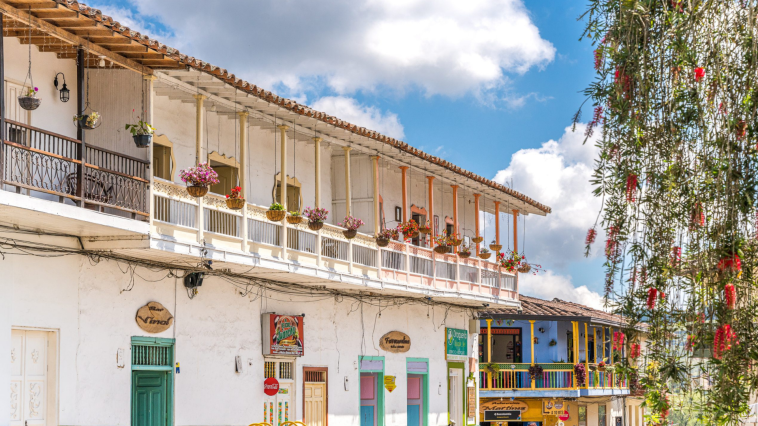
point(271, 386)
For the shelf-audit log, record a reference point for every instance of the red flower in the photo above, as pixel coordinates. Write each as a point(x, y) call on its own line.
point(634, 352)
point(676, 256)
point(741, 129)
point(631, 187)
point(652, 294)
point(697, 217)
point(591, 234)
point(723, 340)
point(699, 74)
point(661, 295)
point(732, 264)
point(730, 296)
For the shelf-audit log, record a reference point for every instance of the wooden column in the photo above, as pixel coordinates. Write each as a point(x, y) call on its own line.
point(243, 173)
point(404, 170)
point(430, 189)
point(199, 114)
point(149, 116)
point(2, 103)
point(477, 228)
point(283, 192)
point(81, 147)
point(586, 357)
point(317, 148)
point(377, 216)
point(348, 194)
point(531, 327)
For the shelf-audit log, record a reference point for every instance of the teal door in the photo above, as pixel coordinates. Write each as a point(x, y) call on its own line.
point(367, 415)
point(414, 415)
point(150, 403)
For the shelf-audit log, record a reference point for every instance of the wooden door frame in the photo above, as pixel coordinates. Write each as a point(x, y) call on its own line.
point(53, 370)
point(155, 341)
point(326, 390)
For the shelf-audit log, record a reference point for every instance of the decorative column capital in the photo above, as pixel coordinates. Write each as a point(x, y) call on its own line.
point(454, 186)
point(243, 113)
point(200, 97)
point(282, 127)
point(403, 168)
point(476, 196)
point(431, 178)
point(375, 157)
point(317, 140)
point(149, 77)
point(347, 148)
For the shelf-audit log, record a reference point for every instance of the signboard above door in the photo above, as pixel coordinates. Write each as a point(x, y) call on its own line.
point(282, 334)
point(395, 342)
point(154, 318)
point(456, 344)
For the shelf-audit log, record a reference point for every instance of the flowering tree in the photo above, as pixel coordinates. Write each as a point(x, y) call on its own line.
point(676, 97)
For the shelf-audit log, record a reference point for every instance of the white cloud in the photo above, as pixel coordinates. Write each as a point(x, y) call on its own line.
point(367, 116)
point(444, 47)
point(547, 285)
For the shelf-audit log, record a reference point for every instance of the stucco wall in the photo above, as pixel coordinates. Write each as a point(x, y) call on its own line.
point(92, 306)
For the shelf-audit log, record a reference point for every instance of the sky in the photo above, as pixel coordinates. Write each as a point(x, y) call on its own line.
point(504, 77)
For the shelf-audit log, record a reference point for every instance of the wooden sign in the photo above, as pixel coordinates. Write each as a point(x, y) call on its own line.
point(503, 405)
point(395, 342)
point(471, 400)
point(154, 318)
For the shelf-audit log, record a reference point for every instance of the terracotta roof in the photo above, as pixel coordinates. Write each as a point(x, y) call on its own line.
point(534, 307)
point(223, 74)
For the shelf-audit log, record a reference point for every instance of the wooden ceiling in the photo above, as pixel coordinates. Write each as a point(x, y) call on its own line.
point(50, 17)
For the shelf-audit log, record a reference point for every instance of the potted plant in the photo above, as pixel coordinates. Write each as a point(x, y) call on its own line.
point(601, 366)
point(294, 217)
point(29, 101)
point(477, 240)
point(524, 268)
point(352, 224)
point(535, 372)
point(456, 240)
point(492, 368)
point(426, 228)
point(464, 252)
point(275, 212)
point(316, 217)
point(235, 200)
point(409, 229)
point(88, 121)
point(484, 254)
point(384, 237)
point(552, 343)
point(510, 261)
point(442, 243)
point(581, 374)
point(495, 246)
point(142, 132)
point(198, 179)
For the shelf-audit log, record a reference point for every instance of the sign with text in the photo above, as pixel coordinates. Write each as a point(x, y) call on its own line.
point(389, 383)
point(456, 344)
point(501, 415)
point(503, 405)
point(553, 407)
point(282, 334)
point(154, 318)
point(395, 342)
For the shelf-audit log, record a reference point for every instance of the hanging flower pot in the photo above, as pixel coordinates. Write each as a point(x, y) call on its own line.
point(142, 133)
point(496, 247)
point(88, 121)
point(382, 242)
point(477, 240)
point(384, 236)
point(456, 241)
point(142, 141)
point(315, 226)
point(409, 229)
point(198, 179)
point(425, 229)
point(235, 201)
point(276, 212)
point(316, 217)
point(442, 249)
point(352, 224)
point(525, 268)
point(484, 254)
point(294, 218)
point(350, 233)
point(30, 102)
point(464, 252)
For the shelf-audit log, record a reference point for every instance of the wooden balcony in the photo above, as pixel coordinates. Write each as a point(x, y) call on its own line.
point(47, 163)
point(555, 377)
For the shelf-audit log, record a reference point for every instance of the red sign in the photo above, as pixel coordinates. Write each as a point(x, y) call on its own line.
point(282, 334)
point(565, 416)
point(271, 386)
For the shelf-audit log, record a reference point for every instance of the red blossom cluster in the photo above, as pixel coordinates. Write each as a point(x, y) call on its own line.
point(634, 351)
point(730, 296)
point(730, 263)
point(699, 74)
point(691, 341)
point(631, 187)
point(676, 256)
point(597, 118)
point(236, 193)
point(623, 81)
point(723, 340)
point(611, 245)
point(654, 294)
point(697, 218)
point(591, 234)
point(741, 129)
point(618, 340)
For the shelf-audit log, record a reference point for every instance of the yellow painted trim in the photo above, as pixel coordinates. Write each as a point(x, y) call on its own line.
point(586, 356)
point(162, 140)
point(223, 159)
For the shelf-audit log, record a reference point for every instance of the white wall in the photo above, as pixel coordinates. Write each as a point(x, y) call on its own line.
point(93, 308)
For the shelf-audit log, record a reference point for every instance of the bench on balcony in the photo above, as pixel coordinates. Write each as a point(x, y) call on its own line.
point(49, 163)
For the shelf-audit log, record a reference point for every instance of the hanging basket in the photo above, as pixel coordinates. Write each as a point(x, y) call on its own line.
point(456, 241)
point(235, 203)
point(477, 240)
point(442, 249)
point(464, 255)
point(29, 103)
point(525, 268)
point(84, 122)
point(315, 226)
point(425, 230)
point(275, 215)
point(496, 247)
point(484, 256)
point(350, 233)
point(411, 236)
point(294, 220)
point(197, 190)
point(142, 141)
point(382, 242)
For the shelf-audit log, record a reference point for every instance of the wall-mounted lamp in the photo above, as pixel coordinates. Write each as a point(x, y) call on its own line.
point(101, 64)
point(542, 329)
point(64, 92)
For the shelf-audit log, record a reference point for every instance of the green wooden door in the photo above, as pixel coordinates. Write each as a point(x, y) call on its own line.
point(150, 398)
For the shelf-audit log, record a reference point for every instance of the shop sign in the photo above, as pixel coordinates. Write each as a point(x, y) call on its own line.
point(503, 405)
point(471, 399)
point(271, 386)
point(456, 344)
point(565, 416)
point(389, 383)
point(154, 318)
point(501, 415)
point(395, 342)
point(553, 407)
point(282, 334)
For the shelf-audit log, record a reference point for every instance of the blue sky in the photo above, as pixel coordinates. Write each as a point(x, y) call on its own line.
point(501, 76)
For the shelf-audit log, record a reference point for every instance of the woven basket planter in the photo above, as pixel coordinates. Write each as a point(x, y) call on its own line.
point(197, 190)
point(410, 236)
point(442, 249)
point(83, 123)
point(484, 256)
point(477, 240)
point(350, 233)
point(525, 268)
point(382, 242)
point(275, 215)
point(29, 103)
point(456, 241)
point(496, 247)
point(464, 255)
point(315, 226)
point(425, 230)
point(294, 219)
point(235, 203)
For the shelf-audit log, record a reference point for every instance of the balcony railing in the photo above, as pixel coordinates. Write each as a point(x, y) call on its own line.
point(555, 376)
point(176, 215)
point(45, 162)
